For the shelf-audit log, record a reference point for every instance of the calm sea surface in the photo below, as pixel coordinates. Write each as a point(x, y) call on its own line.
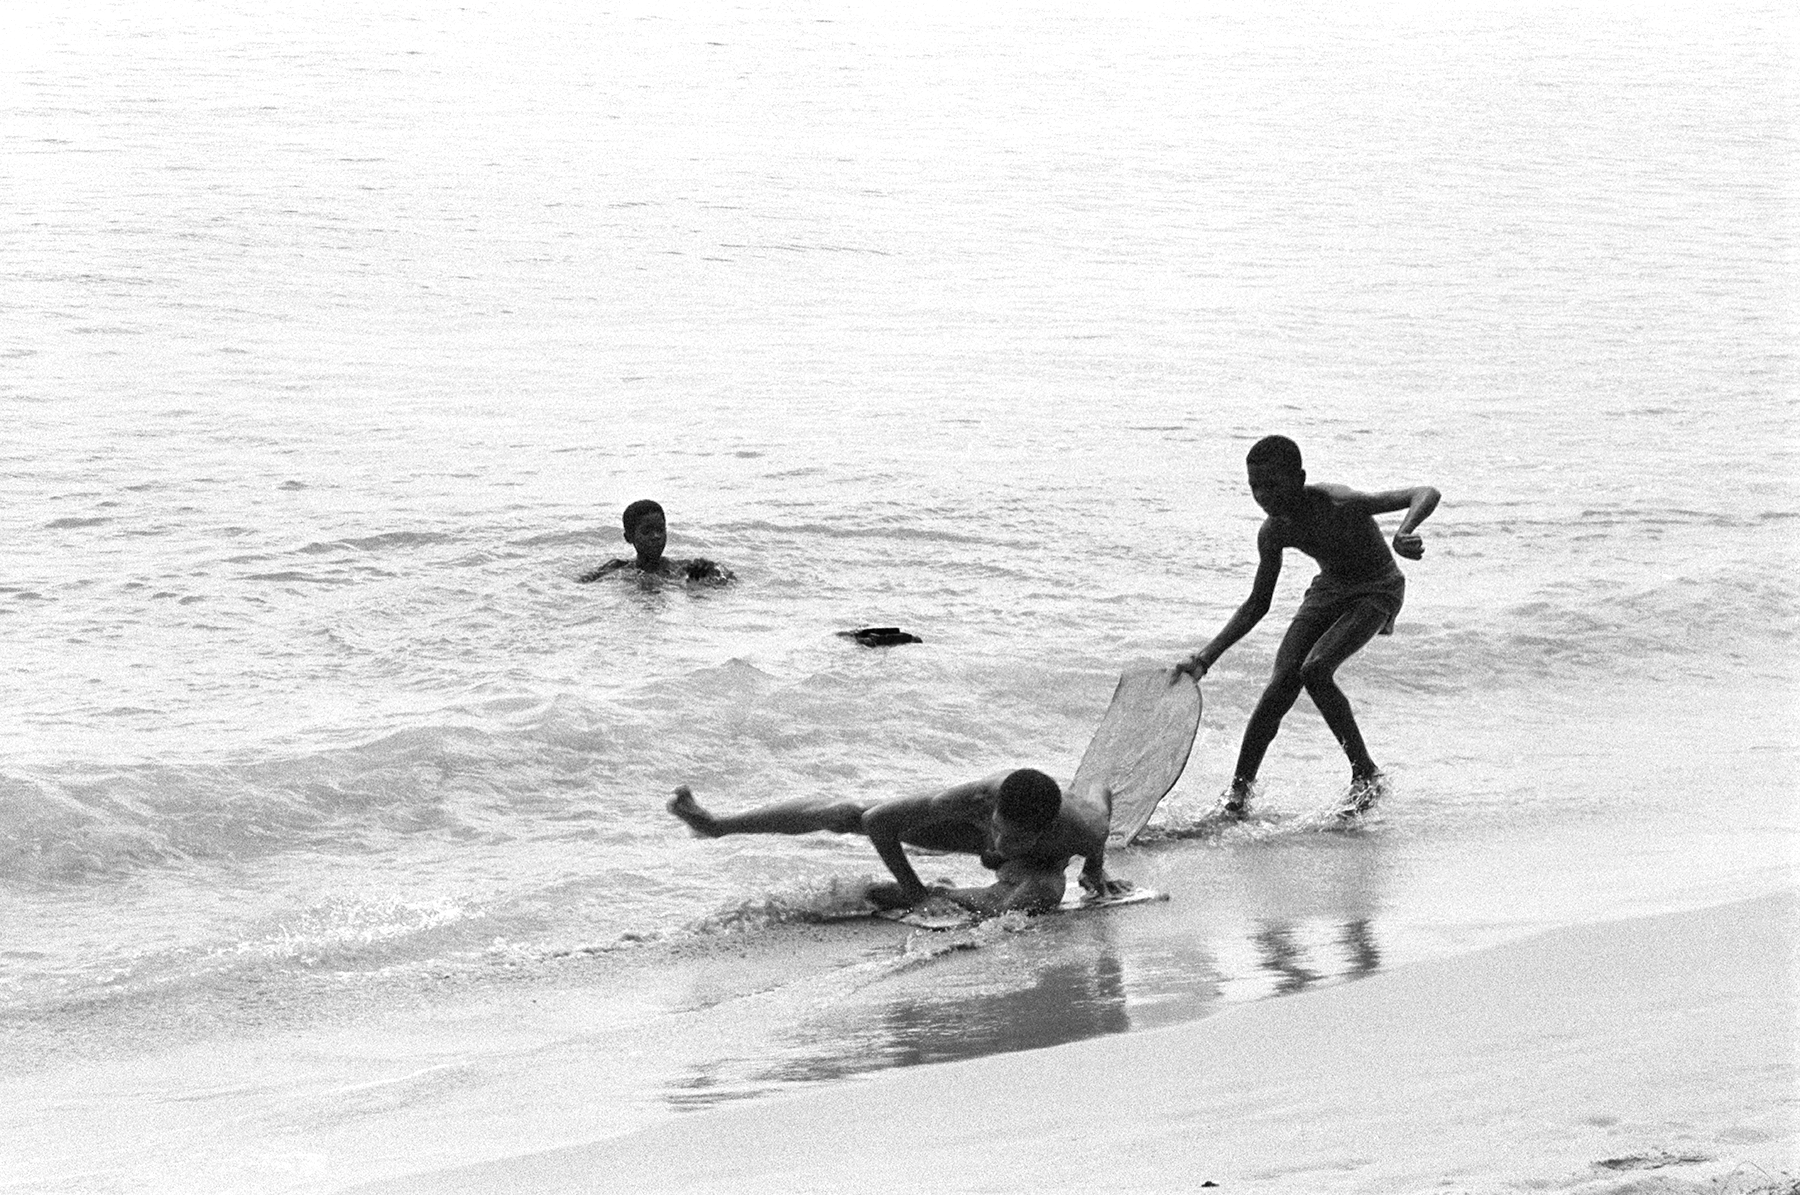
point(333, 342)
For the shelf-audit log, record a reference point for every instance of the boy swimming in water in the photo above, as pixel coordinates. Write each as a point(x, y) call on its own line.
point(1356, 596)
point(647, 530)
point(1017, 822)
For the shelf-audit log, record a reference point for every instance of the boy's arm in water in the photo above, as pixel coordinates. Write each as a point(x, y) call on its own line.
point(1417, 501)
point(1262, 592)
point(594, 574)
point(702, 569)
point(940, 822)
point(885, 824)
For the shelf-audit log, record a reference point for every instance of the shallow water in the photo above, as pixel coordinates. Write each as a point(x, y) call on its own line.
point(332, 809)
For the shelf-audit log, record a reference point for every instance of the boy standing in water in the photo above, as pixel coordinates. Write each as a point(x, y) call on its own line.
point(647, 530)
point(1356, 596)
point(1018, 822)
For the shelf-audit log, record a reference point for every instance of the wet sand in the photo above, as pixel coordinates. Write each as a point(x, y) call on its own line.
point(1653, 1054)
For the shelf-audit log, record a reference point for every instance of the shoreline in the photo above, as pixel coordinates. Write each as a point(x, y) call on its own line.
point(1593, 1058)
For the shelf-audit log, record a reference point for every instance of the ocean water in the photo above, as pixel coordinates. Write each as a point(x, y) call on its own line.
point(332, 841)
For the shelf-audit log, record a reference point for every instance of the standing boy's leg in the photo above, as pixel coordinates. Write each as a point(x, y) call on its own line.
point(802, 816)
point(1345, 637)
point(1284, 687)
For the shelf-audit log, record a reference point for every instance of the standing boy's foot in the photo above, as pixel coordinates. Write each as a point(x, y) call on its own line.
point(1234, 802)
point(1362, 795)
point(683, 806)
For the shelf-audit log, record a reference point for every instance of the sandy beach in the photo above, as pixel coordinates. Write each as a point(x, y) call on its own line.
point(1650, 1055)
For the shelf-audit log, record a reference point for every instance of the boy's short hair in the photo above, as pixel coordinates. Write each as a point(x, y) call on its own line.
point(637, 510)
point(1278, 451)
point(1029, 799)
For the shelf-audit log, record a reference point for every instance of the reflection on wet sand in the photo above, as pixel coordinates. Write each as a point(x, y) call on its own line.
point(1359, 941)
point(1067, 1003)
point(1286, 958)
point(1064, 1003)
point(1074, 986)
point(1295, 965)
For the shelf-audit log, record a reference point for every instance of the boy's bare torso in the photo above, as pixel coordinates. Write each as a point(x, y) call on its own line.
point(697, 569)
point(964, 824)
point(1336, 530)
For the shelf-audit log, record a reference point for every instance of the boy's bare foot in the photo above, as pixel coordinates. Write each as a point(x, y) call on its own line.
point(1235, 801)
point(683, 806)
point(1364, 790)
point(887, 896)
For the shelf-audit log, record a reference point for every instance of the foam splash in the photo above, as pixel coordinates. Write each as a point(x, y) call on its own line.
point(1355, 808)
point(1180, 820)
point(811, 901)
point(924, 945)
point(338, 925)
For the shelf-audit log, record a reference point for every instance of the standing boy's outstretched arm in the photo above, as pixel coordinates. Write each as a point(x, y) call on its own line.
point(1417, 501)
point(1262, 591)
point(1421, 500)
point(952, 820)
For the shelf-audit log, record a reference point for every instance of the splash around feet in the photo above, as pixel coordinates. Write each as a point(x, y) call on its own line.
point(1364, 792)
point(1234, 802)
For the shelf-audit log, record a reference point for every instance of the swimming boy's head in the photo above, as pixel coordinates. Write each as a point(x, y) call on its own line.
point(647, 530)
point(1277, 478)
point(1027, 806)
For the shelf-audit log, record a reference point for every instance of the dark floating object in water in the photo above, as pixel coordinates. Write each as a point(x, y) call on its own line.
point(880, 636)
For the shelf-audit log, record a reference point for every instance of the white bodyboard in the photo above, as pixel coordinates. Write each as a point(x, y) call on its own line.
point(939, 913)
point(1141, 747)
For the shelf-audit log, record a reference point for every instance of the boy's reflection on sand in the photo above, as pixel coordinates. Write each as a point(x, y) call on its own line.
point(1067, 1003)
point(965, 1012)
point(1287, 959)
point(1294, 964)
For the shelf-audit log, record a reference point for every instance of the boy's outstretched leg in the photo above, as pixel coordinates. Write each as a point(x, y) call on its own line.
point(803, 816)
point(683, 806)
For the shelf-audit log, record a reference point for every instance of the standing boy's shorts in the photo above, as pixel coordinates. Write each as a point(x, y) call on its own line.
point(1327, 598)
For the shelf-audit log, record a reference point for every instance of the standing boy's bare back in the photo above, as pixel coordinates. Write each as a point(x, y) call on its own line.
point(1357, 595)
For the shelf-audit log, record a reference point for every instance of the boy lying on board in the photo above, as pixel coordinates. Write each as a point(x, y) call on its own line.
point(1017, 822)
point(1356, 596)
point(647, 530)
